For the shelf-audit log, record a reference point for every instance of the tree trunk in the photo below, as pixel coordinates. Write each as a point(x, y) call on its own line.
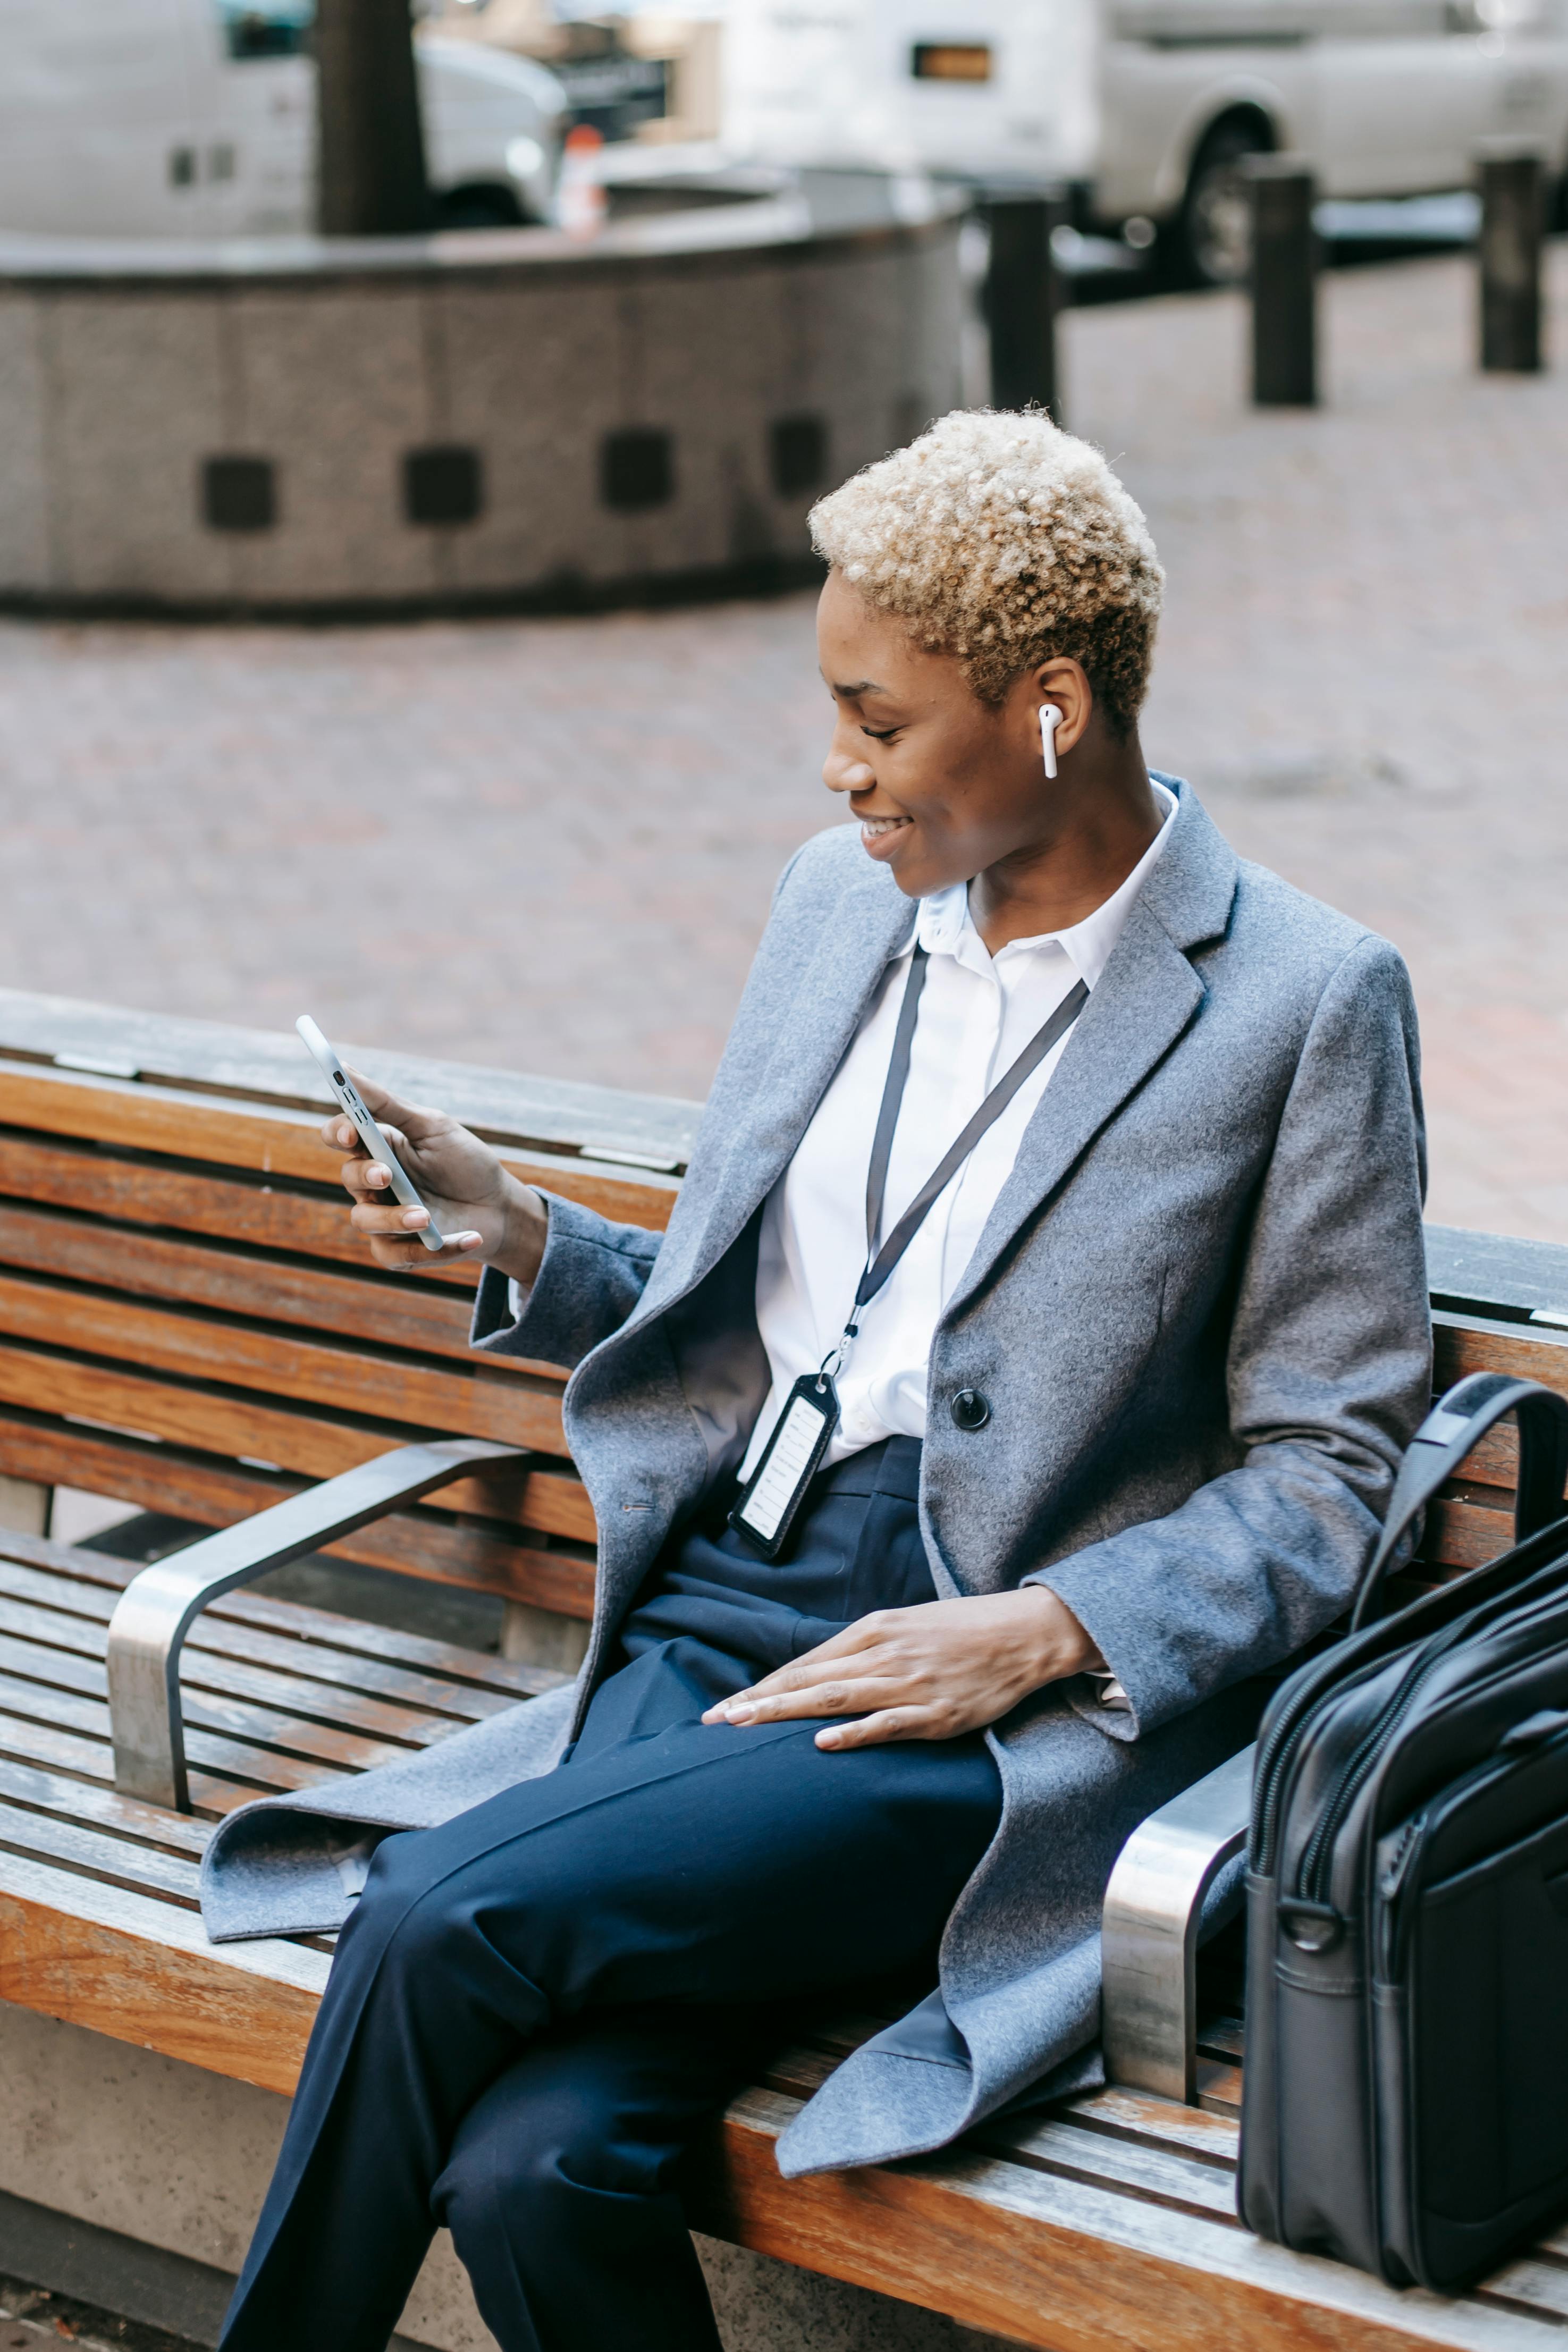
point(371, 140)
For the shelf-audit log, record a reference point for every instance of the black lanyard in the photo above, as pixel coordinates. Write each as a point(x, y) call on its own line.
point(766, 1508)
point(880, 1262)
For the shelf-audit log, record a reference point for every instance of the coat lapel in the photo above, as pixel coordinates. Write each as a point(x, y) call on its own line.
point(1146, 996)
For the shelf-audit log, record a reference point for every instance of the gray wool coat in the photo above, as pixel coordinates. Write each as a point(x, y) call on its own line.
point(1198, 1312)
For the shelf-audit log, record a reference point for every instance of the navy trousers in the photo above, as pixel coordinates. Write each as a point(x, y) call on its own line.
point(536, 2006)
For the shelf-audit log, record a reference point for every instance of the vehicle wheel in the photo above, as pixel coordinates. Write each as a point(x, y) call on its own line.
point(1216, 220)
point(482, 207)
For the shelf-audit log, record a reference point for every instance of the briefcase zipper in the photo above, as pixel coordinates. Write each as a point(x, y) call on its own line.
point(1272, 1765)
point(1388, 1886)
point(1271, 1770)
point(1316, 1866)
point(1272, 1760)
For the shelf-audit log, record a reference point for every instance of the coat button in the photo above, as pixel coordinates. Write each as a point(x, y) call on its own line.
point(969, 1410)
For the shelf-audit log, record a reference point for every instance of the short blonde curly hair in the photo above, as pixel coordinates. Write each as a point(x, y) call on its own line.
point(1001, 539)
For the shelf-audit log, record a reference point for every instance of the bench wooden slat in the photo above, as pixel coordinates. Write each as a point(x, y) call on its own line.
point(74, 1691)
point(98, 1854)
point(390, 1312)
point(1530, 2284)
point(1495, 1461)
point(30, 1788)
point(76, 1617)
point(257, 1212)
point(44, 1643)
point(267, 1065)
point(1464, 1534)
point(61, 1714)
point(421, 1543)
point(1136, 2115)
point(1159, 2175)
point(35, 1741)
point(117, 1399)
point(1475, 1343)
point(338, 1642)
point(157, 1477)
point(481, 1401)
point(269, 1140)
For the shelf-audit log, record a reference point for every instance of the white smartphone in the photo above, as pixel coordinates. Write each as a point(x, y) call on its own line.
point(365, 1127)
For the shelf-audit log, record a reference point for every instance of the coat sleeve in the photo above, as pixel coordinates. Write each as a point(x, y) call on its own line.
point(1328, 1373)
point(590, 1277)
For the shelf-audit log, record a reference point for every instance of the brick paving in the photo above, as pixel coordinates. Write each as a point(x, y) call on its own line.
point(549, 844)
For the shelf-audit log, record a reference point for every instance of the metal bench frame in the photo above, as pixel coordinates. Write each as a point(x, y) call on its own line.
point(158, 1608)
point(1150, 1930)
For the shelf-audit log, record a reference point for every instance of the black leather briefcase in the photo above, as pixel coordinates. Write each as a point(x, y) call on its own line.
point(1405, 2089)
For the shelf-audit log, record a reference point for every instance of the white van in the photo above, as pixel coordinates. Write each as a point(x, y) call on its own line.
point(1146, 106)
point(197, 118)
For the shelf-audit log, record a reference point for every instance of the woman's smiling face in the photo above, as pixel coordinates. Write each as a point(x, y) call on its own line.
point(943, 784)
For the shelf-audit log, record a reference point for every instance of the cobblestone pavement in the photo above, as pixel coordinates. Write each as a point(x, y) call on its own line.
point(549, 844)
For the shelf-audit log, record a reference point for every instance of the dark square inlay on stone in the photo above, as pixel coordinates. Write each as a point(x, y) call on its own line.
point(239, 493)
point(637, 468)
point(799, 449)
point(443, 486)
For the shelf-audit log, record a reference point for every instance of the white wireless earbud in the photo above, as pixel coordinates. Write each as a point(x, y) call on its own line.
point(1050, 720)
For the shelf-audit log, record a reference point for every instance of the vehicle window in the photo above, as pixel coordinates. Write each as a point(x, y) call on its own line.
point(266, 29)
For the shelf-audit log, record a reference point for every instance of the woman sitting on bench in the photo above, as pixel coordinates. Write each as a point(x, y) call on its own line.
point(1024, 1371)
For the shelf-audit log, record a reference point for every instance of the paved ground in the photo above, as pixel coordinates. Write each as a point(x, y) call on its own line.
point(549, 844)
point(33, 2320)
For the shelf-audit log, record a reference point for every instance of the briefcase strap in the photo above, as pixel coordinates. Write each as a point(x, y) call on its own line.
point(1453, 1426)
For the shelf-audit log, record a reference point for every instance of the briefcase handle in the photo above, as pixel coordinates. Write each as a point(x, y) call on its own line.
point(1455, 1423)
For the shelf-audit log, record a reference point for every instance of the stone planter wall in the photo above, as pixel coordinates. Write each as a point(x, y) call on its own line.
point(442, 423)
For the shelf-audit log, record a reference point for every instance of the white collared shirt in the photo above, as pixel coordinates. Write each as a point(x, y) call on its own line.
point(977, 1013)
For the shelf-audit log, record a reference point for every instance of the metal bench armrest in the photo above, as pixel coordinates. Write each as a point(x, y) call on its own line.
point(1154, 1909)
point(156, 1609)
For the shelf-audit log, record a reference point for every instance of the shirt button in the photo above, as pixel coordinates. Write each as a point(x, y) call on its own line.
point(969, 1409)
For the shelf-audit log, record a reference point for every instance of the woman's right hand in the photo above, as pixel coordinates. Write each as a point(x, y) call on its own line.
point(477, 1202)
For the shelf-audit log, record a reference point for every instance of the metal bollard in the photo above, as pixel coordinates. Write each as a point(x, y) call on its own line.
point(1022, 297)
point(1284, 281)
point(1513, 219)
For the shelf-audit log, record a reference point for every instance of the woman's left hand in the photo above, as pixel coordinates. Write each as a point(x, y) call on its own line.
point(931, 1672)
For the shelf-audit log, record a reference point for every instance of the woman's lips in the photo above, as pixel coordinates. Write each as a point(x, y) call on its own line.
point(877, 833)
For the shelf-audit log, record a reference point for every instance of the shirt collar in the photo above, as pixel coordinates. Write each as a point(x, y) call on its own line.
point(944, 925)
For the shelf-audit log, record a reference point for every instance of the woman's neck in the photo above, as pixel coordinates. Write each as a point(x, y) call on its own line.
point(1103, 823)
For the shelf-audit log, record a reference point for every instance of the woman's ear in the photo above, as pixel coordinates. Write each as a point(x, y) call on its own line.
point(1063, 683)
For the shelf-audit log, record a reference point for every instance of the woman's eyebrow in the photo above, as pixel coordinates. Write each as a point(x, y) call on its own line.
point(866, 685)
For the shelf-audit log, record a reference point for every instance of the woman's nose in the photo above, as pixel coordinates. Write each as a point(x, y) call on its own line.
point(842, 771)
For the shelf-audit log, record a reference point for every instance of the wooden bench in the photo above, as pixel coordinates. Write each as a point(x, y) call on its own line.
point(186, 1325)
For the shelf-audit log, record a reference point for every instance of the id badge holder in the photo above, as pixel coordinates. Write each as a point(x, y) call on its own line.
point(766, 1510)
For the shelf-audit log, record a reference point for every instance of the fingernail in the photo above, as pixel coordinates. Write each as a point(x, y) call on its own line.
point(415, 1218)
point(468, 1240)
point(738, 1712)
